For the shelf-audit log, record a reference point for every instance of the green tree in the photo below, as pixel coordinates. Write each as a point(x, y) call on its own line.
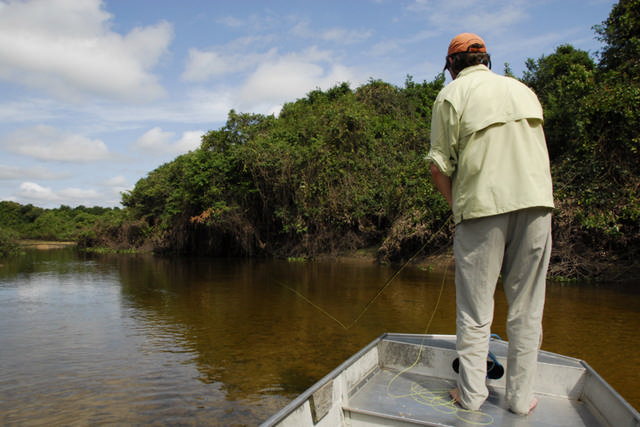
point(51, 226)
point(336, 169)
point(8, 243)
point(592, 124)
point(507, 70)
point(620, 33)
point(616, 119)
point(239, 129)
point(562, 81)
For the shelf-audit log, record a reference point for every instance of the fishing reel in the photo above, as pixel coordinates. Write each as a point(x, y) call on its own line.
point(495, 370)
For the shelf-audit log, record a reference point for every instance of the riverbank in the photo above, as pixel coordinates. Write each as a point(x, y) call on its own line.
point(564, 267)
point(442, 262)
point(201, 339)
point(610, 269)
point(45, 245)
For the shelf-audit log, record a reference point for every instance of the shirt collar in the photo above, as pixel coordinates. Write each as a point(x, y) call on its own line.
point(472, 69)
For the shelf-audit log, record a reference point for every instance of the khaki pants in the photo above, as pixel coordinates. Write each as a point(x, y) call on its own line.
point(518, 246)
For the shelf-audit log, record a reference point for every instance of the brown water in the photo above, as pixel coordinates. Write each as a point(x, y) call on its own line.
point(129, 339)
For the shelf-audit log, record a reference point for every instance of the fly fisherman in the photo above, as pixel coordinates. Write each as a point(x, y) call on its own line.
point(489, 160)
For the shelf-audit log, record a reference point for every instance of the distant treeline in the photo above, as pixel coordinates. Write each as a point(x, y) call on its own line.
point(344, 169)
point(20, 222)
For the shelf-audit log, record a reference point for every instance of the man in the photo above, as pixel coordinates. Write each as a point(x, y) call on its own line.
point(489, 160)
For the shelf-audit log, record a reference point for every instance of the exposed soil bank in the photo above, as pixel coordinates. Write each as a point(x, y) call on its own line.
point(611, 271)
point(45, 245)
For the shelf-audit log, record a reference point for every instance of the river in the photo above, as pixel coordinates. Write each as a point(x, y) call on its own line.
point(89, 339)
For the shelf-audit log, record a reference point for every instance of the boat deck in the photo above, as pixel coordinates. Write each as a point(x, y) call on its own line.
point(404, 380)
point(392, 398)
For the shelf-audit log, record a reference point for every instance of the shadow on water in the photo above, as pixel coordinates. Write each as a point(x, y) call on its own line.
point(229, 342)
point(252, 335)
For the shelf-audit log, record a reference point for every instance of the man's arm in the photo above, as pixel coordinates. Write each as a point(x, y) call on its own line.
point(443, 183)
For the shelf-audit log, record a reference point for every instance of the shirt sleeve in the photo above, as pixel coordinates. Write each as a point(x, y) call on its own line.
point(444, 137)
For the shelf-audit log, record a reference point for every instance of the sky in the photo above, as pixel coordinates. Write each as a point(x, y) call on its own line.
point(95, 94)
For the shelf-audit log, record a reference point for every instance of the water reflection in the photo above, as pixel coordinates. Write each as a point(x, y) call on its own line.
point(252, 336)
point(148, 340)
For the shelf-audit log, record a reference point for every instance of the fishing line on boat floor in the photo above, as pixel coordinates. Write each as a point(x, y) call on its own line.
point(433, 313)
point(438, 399)
point(380, 291)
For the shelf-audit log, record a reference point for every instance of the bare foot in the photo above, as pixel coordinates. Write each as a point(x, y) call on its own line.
point(534, 403)
point(455, 395)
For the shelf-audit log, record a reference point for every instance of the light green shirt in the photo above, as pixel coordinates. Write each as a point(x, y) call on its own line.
point(486, 134)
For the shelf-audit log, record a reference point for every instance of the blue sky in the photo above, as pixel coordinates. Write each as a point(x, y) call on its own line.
point(96, 94)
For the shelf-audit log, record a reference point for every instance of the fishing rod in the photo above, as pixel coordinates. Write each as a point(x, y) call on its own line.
point(380, 290)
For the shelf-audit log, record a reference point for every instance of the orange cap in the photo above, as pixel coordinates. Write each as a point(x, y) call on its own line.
point(466, 42)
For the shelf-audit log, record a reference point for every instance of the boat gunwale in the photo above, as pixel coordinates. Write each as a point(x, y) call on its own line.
point(569, 363)
point(633, 414)
point(306, 395)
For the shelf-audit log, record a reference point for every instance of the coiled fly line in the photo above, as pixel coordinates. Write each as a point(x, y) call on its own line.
point(437, 399)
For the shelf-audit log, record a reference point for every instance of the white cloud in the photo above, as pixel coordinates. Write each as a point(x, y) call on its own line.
point(79, 195)
point(50, 144)
point(66, 48)
point(45, 196)
point(262, 81)
point(302, 30)
point(345, 36)
point(153, 139)
point(8, 173)
point(35, 192)
point(230, 21)
point(385, 47)
point(204, 106)
point(116, 181)
point(189, 141)
point(290, 77)
point(281, 81)
point(160, 143)
point(115, 187)
point(490, 17)
point(30, 110)
point(203, 65)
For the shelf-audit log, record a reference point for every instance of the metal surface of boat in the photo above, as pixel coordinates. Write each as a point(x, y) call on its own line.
point(404, 380)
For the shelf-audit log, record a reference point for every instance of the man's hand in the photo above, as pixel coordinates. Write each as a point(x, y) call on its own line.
point(443, 183)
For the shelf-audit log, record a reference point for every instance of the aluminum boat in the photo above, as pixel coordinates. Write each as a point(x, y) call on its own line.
point(404, 380)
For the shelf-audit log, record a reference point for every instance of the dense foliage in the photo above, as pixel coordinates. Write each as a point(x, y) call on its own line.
point(336, 170)
point(620, 34)
point(344, 169)
point(8, 243)
point(593, 132)
point(23, 222)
